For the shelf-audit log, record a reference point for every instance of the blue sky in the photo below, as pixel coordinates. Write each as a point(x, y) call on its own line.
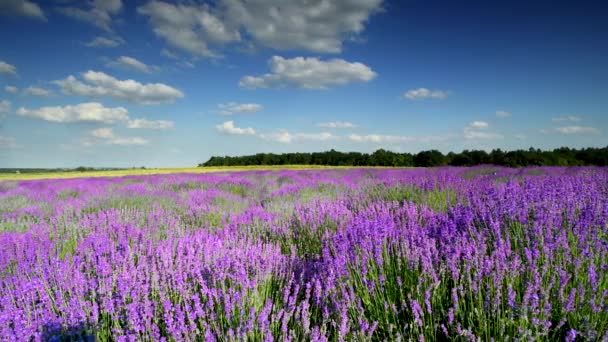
point(155, 83)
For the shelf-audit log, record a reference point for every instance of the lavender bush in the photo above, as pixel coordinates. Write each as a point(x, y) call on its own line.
point(345, 255)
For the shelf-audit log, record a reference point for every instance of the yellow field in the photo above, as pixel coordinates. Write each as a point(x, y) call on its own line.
point(129, 172)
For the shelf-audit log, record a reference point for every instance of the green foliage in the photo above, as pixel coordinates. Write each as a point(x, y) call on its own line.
point(563, 156)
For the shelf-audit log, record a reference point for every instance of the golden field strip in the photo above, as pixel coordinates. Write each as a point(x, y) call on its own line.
point(151, 171)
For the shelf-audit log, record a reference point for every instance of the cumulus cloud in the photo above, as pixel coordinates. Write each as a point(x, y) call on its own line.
point(23, 8)
point(577, 130)
point(503, 114)
point(309, 73)
point(188, 27)
point(476, 130)
point(424, 93)
point(97, 12)
point(567, 119)
point(130, 63)
point(284, 136)
point(150, 124)
point(107, 135)
point(318, 25)
point(37, 91)
point(11, 89)
point(100, 84)
point(234, 107)
point(105, 42)
point(228, 127)
point(7, 69)
point(337, 124)
point(87, 112)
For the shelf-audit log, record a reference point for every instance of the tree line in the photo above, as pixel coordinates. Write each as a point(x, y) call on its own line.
point(562, 156)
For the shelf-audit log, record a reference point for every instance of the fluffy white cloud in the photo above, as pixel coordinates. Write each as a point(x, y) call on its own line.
point(503, 114)
point(97, 12)
point(7, 69)
point(234, 107)
point(37, 91)
point(381, 138)
point(479, 124)
point(284, 136)
point(577, 130)
point(228, 127)
point(100, 85)
point(150, 124)
point(131, 63)
point(107, 135)
point(567, 119)
point(89, 112)
point(24, 8)
point(188, 27)
point(337, 124)
point(424, 93)
point(476, 131)
point(317, 25)
point(309, 73)
point(11, 89)
point(105, 42)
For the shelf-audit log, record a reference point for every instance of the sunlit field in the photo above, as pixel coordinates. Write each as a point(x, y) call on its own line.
point(464, 254)
point(153, 171)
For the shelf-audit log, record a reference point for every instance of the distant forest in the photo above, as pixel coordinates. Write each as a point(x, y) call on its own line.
point(563, 156)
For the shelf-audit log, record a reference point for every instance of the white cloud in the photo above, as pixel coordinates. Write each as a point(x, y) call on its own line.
point(228, 127)
point(567, 119)
point(309, 73)
point(11, 89)
point(337, 124)
point(104, 42)
point(318, 25)
point(150, 124)
point(103, 133)
point(24, 8)
point(520, 137)
point(169, 54)
point(131, 63)
point(89, 112)
point(234, 107)
point(577, 130)
point(98, 13)
point(5, 108)
point(284, 136)
point(189, 28)
point(479, 124)
point(476, 131)
point(424, 93)
point(107, 135)
point(7, 69)
point(381, 138)
point(503, 114)
point(7, 142)
point(100, 85)
point(37, 91)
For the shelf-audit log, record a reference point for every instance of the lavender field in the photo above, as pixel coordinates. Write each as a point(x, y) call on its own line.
point(465, 254)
